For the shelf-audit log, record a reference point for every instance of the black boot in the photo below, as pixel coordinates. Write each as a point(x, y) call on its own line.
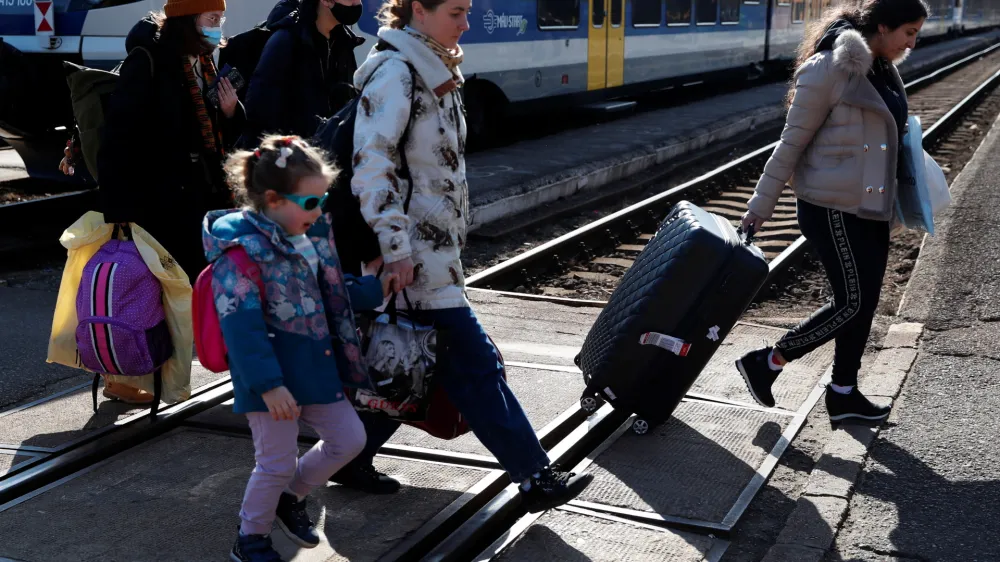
point(758, 375)
point(366, 479)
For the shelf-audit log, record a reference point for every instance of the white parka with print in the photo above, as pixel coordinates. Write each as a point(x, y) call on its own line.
point(433, 232)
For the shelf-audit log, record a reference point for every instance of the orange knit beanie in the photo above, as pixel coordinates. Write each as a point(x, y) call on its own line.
point(174, 8)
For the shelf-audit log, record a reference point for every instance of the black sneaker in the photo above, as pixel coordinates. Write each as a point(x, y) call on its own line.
point(254, 548)
point(366, 479)
point(758, 376)
point(853, 405)
point(553, 488)
point(294, 521)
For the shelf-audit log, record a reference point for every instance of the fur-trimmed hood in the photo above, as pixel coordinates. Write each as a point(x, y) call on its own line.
point(851, 52)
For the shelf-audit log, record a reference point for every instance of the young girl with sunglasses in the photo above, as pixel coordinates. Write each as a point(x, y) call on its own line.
point(292, 350)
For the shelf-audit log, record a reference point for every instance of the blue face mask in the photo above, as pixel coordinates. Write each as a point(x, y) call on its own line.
point(213, 34)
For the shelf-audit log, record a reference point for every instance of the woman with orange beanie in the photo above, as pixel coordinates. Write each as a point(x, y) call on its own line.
point(160, 164)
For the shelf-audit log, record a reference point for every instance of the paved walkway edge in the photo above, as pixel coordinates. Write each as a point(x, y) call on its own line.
point(620, 166)
point(811, 528)
point(586, 179)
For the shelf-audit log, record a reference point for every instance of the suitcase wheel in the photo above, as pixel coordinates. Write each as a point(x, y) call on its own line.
point(640, 426)
point(591, 403)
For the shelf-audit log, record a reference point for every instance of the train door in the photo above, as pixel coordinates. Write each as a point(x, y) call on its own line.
point(606, 44)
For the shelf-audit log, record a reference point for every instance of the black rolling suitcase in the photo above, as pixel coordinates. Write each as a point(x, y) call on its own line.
point(669, 314)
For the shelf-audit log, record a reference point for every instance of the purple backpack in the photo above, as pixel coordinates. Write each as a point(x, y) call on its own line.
point(122, 327)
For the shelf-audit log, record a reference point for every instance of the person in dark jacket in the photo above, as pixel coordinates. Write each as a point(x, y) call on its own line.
point(304, 76)
point(306, 71)
point(160, 163)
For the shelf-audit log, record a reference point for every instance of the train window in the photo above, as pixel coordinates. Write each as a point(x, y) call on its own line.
point(598, 13)
point(706, 12)
point(678, 12)
point(798, 11)
point(616, 13)
point(729, 12)
point(647, 13)
point(558, 14)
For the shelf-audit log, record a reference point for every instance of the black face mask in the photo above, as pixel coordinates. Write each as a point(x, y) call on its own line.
point(347, 15)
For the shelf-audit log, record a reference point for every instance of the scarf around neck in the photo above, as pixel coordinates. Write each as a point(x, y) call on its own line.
point(210, 137)
point(451, 58)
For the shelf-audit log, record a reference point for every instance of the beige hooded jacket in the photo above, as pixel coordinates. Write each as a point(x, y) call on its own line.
point(840, 143)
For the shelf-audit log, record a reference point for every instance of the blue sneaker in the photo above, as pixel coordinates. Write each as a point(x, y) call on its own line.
point(294, 521)
point(254, 548)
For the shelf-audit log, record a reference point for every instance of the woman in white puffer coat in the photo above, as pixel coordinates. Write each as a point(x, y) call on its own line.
point(411, 80)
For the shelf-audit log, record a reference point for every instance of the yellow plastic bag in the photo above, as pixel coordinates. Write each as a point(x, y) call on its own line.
point(83, 239)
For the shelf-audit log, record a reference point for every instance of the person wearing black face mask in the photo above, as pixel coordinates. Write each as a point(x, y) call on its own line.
point(306, 71)
point(347, 14)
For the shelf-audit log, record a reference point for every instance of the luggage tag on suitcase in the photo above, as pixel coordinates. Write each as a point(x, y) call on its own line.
point(678, 346)
point(670, 343)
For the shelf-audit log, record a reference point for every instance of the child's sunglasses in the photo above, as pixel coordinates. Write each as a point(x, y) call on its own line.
point(308, 202)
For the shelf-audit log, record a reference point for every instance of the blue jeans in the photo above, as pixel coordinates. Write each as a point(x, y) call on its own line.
point(470, 372)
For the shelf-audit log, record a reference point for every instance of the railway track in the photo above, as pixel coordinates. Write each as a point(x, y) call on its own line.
point(484, 521)
point(588, 262)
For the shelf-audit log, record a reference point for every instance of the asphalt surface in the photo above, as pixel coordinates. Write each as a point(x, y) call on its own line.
point(928, 490)
point(25, 325)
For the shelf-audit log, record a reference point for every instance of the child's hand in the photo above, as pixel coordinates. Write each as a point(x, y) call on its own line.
point(389, 283)
point(281, 404)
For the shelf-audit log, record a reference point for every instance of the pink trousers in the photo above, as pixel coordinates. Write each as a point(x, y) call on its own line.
point(278, 466)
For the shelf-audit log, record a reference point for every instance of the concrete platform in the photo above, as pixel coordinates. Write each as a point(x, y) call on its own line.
point(920, 489)
point(720, 378)
point(533, 331)
point(570, 535)
point(63, 417)
point(177, 498)
point(511, 180)
point(11, 458)
point(24, 330)
point(695, 466)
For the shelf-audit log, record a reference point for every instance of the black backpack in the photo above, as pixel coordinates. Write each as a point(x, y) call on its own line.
point(356, 241)
point(243, 52)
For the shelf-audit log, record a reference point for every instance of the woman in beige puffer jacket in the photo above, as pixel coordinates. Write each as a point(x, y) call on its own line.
point(840, 151)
